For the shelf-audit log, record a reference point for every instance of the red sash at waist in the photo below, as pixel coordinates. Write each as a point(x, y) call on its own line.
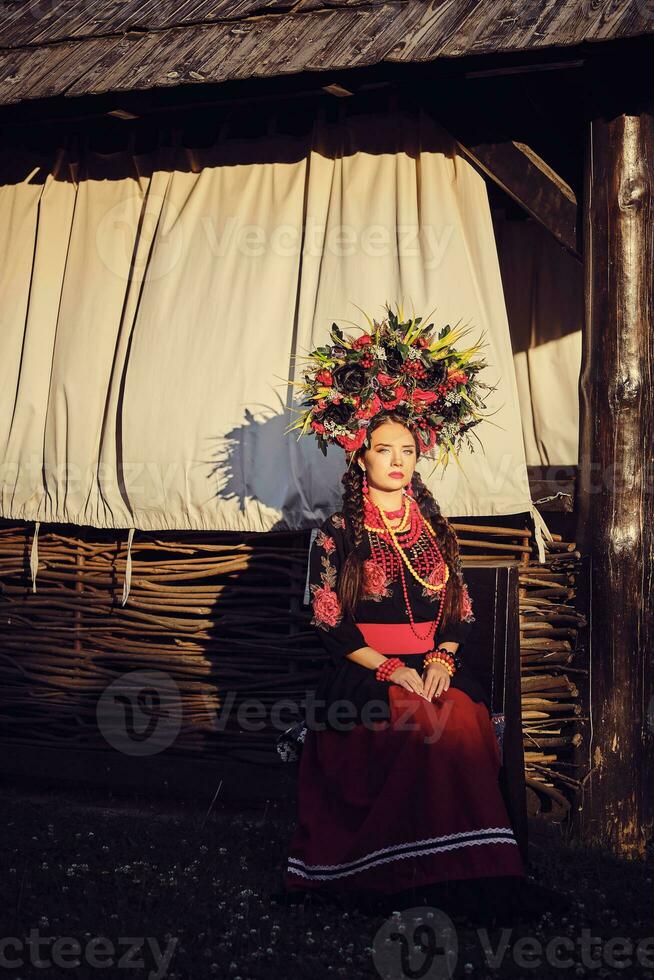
point(396, 638)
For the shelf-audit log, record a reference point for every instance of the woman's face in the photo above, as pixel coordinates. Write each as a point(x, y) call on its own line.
point(392, 451)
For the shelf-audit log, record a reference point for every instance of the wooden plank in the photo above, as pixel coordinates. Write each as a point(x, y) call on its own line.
point(225, 52)
point(446, 28)
point(236, 39)
point(521, 173)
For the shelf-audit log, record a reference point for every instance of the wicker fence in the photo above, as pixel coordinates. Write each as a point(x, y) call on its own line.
point(220, 616)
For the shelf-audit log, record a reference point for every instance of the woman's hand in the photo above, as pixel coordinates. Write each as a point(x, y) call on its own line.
point(436, 678)
point(408, 678)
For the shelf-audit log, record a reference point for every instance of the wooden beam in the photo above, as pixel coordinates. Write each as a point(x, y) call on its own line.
point(525, 177)
point(615, 499)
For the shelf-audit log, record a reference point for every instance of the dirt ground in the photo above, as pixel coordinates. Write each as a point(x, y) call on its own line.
point(179, 890)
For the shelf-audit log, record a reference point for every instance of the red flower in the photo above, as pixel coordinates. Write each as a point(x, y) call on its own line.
point(385, 379)
point(350, 443)
point(431, 436)
point(374, 578)
point(326, 607)
point(324, 377)
point(324, 541)
point(422, 342)
point(424, 397)
point(435, 577)
point(369, 409)
point(362, 341)
point(466, 605)
point(400, 394)
point(317, 426)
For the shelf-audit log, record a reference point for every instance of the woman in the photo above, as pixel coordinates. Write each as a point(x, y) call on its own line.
point(398, 781)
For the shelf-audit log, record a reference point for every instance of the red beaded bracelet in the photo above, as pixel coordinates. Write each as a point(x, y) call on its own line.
point(441, 655)
point(388, 667)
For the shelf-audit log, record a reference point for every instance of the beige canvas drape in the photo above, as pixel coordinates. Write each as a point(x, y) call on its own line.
point(543, 288)
point(152, 305)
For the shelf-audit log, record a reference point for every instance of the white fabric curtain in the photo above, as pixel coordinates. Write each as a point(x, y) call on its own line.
point(543, 288)
point(152, 305)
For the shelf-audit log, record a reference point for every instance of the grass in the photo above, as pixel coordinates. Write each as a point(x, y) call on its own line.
point(200, 885)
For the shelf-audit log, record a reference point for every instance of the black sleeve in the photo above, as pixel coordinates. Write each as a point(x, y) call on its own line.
point(338, 631)
point(458, 632)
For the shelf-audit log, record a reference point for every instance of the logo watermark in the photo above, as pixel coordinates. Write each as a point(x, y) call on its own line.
point(422, 942)
point(140, 713)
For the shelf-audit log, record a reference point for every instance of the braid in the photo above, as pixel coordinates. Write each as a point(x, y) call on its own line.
point(449, 546)
point(350, 581)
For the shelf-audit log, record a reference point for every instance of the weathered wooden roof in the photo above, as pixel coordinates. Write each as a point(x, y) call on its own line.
point(73, 47)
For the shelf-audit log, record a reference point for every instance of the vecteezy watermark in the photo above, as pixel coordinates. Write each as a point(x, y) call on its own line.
point(98, 952)
point(423, 942)
point(140, 713)
point(341, 715)
point(420, 943)
point(171, 233)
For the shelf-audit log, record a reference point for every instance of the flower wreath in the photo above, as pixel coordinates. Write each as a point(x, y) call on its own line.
point(397, 365)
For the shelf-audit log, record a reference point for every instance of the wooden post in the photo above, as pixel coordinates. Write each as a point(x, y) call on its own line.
point(615, 491)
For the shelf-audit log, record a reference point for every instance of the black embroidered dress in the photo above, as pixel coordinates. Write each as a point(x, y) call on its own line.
point(408, 794)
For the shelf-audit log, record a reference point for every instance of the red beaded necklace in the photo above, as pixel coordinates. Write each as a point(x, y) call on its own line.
point(425, 559)
point(394, 514)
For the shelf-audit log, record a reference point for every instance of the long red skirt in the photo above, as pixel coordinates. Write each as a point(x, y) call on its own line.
point(400, 804)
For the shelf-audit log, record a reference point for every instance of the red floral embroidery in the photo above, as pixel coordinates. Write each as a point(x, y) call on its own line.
point(326, 608)
point(374, 581)
point(327, 611)
point(434, 578)
point(325, 541)
point(467, 614)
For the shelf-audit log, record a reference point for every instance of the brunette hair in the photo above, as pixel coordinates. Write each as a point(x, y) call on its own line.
point(350, 579)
